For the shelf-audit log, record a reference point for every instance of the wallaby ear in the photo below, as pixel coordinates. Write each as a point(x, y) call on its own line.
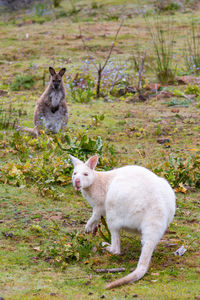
point(52, 71)
point(62, 72)
point(92, 162)
point(75, 160)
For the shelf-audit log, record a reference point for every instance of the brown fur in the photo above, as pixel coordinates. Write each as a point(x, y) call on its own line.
point(51, 104)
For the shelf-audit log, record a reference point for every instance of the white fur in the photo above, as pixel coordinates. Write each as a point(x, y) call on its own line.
point(56, 97)
point(131, 198)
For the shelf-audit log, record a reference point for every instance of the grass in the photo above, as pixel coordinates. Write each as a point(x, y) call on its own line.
point(133, 128)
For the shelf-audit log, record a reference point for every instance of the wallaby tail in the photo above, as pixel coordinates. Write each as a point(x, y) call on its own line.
point(32, 131)
point(142, 267)
point(134, 276)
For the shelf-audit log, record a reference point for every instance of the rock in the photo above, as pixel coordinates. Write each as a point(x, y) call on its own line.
point(164, 94)
point(175, 110)
point(185, 79)
point(163, 141)
point(3, 93)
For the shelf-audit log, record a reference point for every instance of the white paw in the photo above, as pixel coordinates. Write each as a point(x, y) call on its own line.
point(105, 244)
point(90, 228)
point(112, 251)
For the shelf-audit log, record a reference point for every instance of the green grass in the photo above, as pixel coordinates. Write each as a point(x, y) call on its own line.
point(132, 128)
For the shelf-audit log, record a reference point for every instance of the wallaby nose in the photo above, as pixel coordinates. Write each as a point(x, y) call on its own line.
point(77, 181)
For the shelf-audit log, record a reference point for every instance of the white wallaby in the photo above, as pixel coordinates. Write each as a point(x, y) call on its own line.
point(132, 198)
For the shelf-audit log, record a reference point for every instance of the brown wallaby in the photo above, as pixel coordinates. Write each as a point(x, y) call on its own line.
point(51, 110)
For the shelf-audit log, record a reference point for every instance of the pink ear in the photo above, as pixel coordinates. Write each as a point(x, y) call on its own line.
point(92, 162)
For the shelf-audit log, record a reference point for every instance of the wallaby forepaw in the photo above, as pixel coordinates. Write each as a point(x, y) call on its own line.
point(91, 228)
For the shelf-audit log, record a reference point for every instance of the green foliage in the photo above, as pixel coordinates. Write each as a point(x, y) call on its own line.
point(167, 5)
point(65, 247)
point(44, 161)
point(82, 94)
point(163, 43)
point(40, 9)
point(22, 82)
point(178, 102)
point(97, 119)
point(56, 3)
point(179, 170)
point(193, 90)
point(85, 147)
point(192, 51)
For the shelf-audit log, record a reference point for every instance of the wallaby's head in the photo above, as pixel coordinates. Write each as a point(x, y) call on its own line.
point(83, 174)
point(56, 78)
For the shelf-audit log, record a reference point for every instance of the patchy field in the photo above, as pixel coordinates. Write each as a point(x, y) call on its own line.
point(44, 252)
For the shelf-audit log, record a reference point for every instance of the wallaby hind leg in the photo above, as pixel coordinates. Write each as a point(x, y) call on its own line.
point(114, 248)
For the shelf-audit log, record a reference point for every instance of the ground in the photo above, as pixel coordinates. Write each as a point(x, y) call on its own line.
point(144, 133)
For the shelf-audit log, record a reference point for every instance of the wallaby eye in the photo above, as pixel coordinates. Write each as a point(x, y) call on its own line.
point(85, 174)
point(74, 173)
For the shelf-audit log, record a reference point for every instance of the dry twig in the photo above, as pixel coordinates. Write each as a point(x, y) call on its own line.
point(99, 67)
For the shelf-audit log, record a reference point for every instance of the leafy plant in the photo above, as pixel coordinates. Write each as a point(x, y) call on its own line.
point(179, 170)
point(163, 42)
point(97, 119)
point(82, 94)
point(168, 5)
point(44, 161)
point(65, 247)
point(193, 90)
point(178, 102)
point(56, 3)
point(192, 51)
point(22, 82)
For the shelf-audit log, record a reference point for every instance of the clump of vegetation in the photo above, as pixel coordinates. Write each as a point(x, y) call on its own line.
point(56, 3)
point(192, 53)
point(49, 165)
point(181, 170)
point(163, 43)
point(9, 117)
point(83, 92)
point(193, 90)
point(167, 5)
point(61, 248)
point(23, 82)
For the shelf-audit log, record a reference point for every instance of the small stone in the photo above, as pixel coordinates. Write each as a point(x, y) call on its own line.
point(90, 293)
point(102, 296)
point(135, 296)
point(175, 110)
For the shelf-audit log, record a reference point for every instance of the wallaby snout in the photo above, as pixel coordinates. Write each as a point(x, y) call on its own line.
point(77, 183)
